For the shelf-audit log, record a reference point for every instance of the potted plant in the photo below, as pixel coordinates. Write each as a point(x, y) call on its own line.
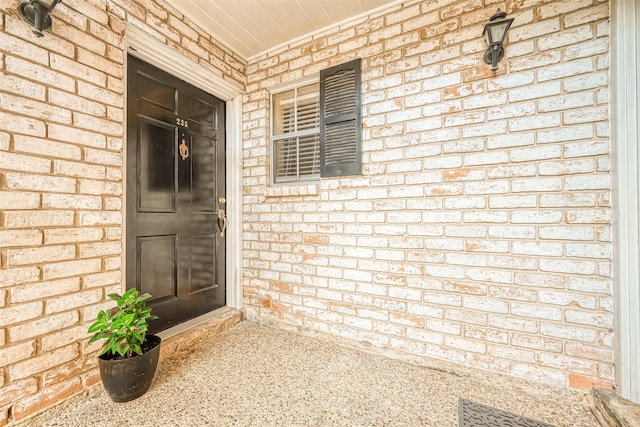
point(129, 357)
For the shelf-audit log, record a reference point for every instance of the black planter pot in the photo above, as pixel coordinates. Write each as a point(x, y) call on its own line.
point(127, 379)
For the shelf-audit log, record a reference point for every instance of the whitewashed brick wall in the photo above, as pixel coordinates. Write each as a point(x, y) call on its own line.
point(480, 231)
point(61, 185)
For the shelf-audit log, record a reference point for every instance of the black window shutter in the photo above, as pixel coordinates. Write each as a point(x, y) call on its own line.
point(341, 120)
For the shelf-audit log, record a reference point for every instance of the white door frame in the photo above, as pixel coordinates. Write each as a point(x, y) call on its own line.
point(147, 48)
point(625, 135)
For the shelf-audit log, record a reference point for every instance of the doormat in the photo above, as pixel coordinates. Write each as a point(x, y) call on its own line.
point(472, 414)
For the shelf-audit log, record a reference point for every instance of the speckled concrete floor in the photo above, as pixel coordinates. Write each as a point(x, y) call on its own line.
point(254, 375)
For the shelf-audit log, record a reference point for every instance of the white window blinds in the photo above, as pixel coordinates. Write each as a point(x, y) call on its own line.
point(295, 138)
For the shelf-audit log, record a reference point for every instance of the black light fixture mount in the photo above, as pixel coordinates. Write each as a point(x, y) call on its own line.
point(496, 31)
point(36, 13)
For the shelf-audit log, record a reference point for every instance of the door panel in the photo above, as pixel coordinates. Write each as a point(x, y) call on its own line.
point(156, 167)
point(203, 179)
point(203, 272)
point(155, 92)
point(156, 270)
point(202, 112)
point(175, 180)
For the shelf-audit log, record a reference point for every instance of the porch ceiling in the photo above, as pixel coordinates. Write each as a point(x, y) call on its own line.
point(252, 27)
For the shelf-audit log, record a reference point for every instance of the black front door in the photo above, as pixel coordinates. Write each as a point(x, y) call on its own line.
point(175, 244)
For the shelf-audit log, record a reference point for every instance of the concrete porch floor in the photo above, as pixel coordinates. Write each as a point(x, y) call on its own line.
point(256, 375)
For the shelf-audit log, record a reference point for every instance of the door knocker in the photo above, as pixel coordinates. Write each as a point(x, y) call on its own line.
point(184, 150)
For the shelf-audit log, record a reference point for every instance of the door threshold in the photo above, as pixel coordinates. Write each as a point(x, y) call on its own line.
point(192, 323)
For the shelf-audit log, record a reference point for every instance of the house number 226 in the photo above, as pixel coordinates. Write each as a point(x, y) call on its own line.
point(182, 122)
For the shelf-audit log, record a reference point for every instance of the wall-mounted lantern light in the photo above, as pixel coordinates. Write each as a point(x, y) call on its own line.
point(496, 31)
point(36, 13)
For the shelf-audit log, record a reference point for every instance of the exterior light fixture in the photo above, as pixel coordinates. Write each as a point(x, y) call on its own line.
point(496, 31)
point(36, 13)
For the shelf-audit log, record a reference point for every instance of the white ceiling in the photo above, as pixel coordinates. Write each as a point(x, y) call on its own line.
point(253, 27)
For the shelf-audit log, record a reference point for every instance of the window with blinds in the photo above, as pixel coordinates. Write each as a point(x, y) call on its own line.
point(295, 138)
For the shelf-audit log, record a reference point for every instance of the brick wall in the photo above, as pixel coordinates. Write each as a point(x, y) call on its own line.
point(61, 185)
point(480, 231)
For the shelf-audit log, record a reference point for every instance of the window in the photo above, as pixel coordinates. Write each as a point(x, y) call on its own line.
point(296, 134)
point(317, 127)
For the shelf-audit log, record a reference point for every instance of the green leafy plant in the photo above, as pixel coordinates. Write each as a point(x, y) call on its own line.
point(124, 326)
